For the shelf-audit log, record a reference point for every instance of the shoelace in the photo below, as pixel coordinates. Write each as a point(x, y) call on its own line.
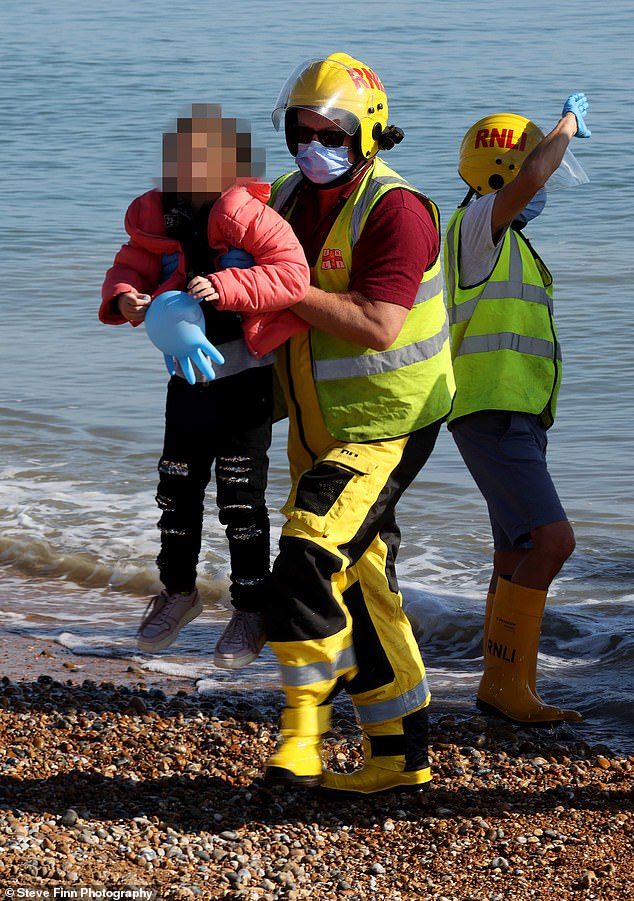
point(239, 632)
point(149, 611)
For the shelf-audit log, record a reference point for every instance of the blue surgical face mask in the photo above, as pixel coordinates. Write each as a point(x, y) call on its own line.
point(534, 207)
point(322, 164)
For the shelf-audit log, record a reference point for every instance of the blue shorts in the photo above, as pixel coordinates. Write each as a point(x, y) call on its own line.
point(506, 455)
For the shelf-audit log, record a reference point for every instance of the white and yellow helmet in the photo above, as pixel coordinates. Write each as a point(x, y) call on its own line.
point(343, 90)
point(494, 149)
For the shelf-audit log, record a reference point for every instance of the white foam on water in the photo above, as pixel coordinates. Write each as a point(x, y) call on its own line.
point(169, 667)
point(267, 679)
point(452, 681)
point(557, 663)
point(94, 645)
point(11, 619)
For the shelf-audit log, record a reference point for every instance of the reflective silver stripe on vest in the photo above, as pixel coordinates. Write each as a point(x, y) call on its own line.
point(536, 347)
point(451, 261)
point(370, 193)
point(514, 287)
point(324, 671)
point(286, 189)
point(401, 706)
point(427, 290)
point(498, 291)
point(384, 361)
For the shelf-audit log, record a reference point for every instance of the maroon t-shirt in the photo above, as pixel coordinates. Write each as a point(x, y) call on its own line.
point(398, 243)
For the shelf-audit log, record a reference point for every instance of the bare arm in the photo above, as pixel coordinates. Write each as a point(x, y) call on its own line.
point(353, 317)
point(535, 172)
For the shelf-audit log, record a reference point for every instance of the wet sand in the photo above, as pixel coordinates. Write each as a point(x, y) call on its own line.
point(114, 779)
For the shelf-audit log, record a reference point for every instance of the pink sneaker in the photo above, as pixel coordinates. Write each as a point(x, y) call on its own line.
point(164, 617)
point(241, 642)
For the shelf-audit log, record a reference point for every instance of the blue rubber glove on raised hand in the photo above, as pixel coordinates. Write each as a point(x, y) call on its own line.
point(175, 324)
point(577, 104)
point(235, 258)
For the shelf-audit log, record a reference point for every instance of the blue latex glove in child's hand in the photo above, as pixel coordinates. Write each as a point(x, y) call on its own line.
point(235, 258)
point(577, 104)
point(175, 324)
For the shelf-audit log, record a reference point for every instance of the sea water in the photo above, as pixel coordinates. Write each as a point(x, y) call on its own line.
point(86, 91)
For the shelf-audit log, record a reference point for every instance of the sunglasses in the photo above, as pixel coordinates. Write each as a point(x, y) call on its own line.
point(327, 137)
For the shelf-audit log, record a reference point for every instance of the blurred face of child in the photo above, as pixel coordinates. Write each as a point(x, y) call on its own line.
point(206, 155)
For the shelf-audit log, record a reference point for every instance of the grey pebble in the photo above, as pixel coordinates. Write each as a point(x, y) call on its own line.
point(69, 818)
point(88, 837)
point(376, 869)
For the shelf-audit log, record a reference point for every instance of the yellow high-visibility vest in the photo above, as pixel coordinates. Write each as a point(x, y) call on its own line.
point(368, 395)
point(504, 345)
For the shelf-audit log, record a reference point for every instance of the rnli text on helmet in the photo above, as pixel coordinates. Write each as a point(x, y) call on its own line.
point(490, 137)
point(366, 78)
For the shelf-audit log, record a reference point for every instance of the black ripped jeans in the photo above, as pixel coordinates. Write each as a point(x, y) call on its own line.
point(227, 421)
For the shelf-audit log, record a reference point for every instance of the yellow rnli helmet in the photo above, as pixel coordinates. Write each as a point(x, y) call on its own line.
point(494, 149)
point(343, 90)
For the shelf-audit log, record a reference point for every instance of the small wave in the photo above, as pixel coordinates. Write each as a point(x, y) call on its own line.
point(572, 636)
point(40, 559)
point(36, 557)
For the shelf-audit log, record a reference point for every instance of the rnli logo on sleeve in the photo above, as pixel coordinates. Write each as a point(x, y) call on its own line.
point(332, 259)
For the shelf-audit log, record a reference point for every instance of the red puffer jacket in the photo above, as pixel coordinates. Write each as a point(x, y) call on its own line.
point(239, 218)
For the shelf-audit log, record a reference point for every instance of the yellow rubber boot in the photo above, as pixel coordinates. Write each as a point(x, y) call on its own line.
point(532, 673)
point(487, 621)
point(510, 659)
point(565, 714)
point(297, 761)
point(396, 759)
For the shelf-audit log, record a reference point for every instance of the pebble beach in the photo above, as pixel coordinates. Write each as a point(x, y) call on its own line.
point(117, 784)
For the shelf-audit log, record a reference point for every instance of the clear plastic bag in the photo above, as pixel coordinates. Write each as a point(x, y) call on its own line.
point(569, 174)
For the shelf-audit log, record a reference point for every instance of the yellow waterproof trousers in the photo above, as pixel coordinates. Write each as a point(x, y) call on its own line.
point(336, 615)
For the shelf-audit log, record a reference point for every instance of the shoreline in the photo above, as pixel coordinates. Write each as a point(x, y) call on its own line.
point(23, 658)
point(123, 780)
